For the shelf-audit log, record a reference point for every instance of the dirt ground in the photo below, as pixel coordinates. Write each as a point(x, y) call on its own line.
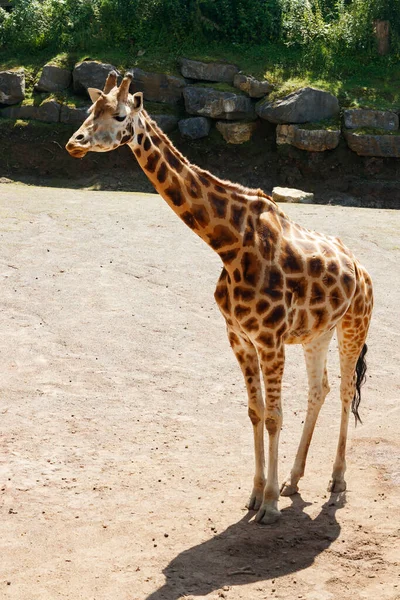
point(126, 450)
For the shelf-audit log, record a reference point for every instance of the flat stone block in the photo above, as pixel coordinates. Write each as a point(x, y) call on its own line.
point(53, 79)
point(48, 112)
point(208, 102)
point(213, 71)
point(375, 119)
point(90, 73)
point(12, 87)
point(313, 140)
point(194, 128)
point(236, 132)
point(166, 122)
point(72, 115)
point(251, 86)
point(307, 105)
point(281, 194)
point(157, 87)
point(387, 146)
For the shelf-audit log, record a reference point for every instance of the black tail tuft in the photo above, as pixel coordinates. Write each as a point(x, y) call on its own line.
point(361, 369)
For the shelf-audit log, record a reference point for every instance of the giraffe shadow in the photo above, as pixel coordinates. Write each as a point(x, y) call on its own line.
point(247, 553)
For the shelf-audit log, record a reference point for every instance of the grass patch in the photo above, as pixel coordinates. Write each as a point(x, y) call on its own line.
point(220, 87)
point(372, 131)
point(358, 81)
point(327, 125)
point(159, 108)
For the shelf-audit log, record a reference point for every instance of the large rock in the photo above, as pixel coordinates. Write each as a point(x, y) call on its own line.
point(236, 132)
point(53, 79)
point(281, 194)
point(252, 87)
point(73, 115)
point(166, 122)
point(48, 112)
point(313, 140)
point(374, 119)
point(194, 128)
point(90, 73)
point(12, 87)
point(157, 87)
point(208, 102)
point(213, 71)
point(303, 106)
point(373, 145)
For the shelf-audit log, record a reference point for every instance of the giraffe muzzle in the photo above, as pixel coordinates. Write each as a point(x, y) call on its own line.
point(76, 151)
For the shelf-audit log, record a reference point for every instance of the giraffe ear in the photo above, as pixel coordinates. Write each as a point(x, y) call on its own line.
point(137, 102)
point(94, 94)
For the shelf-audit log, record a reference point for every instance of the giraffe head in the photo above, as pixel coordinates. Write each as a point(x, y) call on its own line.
point(111, 121)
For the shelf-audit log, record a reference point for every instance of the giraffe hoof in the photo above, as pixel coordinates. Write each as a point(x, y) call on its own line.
point(267, 515)
point(287, 489)
point(254, 501)
point(336, 486)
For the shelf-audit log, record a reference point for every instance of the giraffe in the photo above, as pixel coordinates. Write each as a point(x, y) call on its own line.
point(280, 284)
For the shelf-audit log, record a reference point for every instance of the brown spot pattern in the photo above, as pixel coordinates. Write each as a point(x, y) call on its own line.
point(218, 204)
point(317, 294)
point(250, 268)
point(241, 311)
point(162, 173)
point(266, 339)
point(152, 161)
point(251, 325)
point(193, 186)
point(228, 257)
point(204, 180)
point(273, 284)
point(201, 215)
point(248, 238)
point(297, 286)
point(347, 283)
point(173, 160)
point(174, 193)
point(188, 218)
point(315, 266)
point(156, 140)
point(241, 293)
point(147, 144)
point(274, 317)
point(262, 306)
point(291, 260)
point(238, 214)
point(336, 298)
point(221, 236)
point(237, 276)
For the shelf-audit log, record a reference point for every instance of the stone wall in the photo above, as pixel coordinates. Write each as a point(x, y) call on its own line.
point(308, 119)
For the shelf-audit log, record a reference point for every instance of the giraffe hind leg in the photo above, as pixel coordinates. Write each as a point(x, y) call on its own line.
point(352, 332)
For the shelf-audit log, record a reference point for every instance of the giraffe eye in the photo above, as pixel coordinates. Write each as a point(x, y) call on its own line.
point(119, 119)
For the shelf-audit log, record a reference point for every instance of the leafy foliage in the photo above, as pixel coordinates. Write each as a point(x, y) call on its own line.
point(320, 27)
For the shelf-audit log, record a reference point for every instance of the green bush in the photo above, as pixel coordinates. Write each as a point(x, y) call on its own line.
point(317, 26)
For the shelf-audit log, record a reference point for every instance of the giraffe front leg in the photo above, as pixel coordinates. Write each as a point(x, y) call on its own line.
point(247, 358)
point(272, 372)
point(315, 353)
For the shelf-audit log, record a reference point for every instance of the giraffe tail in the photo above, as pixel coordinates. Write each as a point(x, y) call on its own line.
point(361, 370)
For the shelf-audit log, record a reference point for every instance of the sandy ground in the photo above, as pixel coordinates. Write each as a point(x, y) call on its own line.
point(126, 450)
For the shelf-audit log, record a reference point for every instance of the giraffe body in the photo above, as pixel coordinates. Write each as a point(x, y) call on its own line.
point(280, 284)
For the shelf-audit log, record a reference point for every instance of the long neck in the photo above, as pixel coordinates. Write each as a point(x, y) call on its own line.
point(219, 212)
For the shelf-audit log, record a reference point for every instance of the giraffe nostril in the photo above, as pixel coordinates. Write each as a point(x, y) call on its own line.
point(80, 137)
